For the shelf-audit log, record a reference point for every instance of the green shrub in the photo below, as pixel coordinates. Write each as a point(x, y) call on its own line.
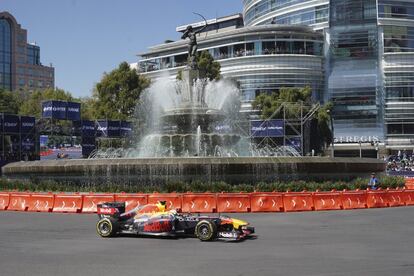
point(37, 185)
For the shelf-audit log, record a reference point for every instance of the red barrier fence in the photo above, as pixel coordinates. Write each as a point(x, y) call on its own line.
point(233, 203)
point(18, 201)
point(68, 203)
point(41, 202)
point(173, 200)
point(377, 199)
point(327, 200)
point(131, 200)
point(298, 201)
point(4, 200)
point(409, 183)
point(354, 199)
point(266, 202)
point(199, 203)
point(91, 201)
point(212, 202)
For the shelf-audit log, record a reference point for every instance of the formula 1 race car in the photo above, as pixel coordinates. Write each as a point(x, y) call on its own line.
point(156, 220)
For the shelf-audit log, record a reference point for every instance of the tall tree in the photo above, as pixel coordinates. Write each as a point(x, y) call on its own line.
point(117, 94)
point(32, 103)
point(9, 102)
point(209, 69)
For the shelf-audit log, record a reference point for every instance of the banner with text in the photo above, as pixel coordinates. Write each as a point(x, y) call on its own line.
point(73, 111)
point(27, 124)
point(268, 128)
point(88, 145)
point(126, 129)
point(54, 110)
point(11, 123)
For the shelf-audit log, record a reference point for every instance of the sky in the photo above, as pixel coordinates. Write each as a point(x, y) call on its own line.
point(85, 38)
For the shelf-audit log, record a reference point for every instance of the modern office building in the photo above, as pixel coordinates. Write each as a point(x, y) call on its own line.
point(369, 62)
point(260, 58)
point(359, 54)
point(20, 66)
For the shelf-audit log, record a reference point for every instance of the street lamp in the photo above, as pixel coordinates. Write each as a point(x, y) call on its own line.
point(332, 133)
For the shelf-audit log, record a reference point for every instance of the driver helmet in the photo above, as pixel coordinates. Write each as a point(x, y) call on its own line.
point(162, 206)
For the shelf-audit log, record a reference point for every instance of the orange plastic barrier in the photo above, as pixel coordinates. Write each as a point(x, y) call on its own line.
point(327, 201)
point(409, 183)
point(377, 199)
point(233, 202)
point(266, 202)
point(4, 201)
point(174, 201)
point(41, 202)
point(90, 201)
point(395, 198)
point(354, 199)
point(298, 201)
point(18, 201)
point(131, 200)
point(199, 203)
point(408, 197)
point(68, 203)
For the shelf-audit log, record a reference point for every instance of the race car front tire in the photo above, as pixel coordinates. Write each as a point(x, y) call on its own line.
point(206, 230)
point(107, 227)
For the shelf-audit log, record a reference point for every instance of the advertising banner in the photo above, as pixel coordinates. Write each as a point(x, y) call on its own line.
point(27, 124)
point(114, 128)
point(47, 108)
point(54, 109)
point(88, 128)
point(268, 128)
point(11, 123)
point(102, 128)
point(28, 143)
point(126, 129)
point(88, 145)
point(43, 140)
point(73, 111)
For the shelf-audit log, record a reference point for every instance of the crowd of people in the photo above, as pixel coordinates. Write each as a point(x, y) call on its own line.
point(401, 162)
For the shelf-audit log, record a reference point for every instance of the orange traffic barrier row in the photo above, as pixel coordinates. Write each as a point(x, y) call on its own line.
point(266, 202)
point(354, 199)
point(297, 201)
point(211, 202)
point(327, 200)
point(131, 200)
point(233, 203)
point(409, 183)
point(199, 203)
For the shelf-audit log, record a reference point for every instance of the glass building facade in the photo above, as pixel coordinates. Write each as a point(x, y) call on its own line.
point(293, 12)
point(369, 61)
point(365, 48)
point(20, 66)
point(262, 59)
point(5, 54)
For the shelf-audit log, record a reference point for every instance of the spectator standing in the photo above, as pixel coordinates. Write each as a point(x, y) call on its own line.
point(373, 182)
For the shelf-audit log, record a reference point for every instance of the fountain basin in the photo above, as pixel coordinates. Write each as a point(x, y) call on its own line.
point(158, 171)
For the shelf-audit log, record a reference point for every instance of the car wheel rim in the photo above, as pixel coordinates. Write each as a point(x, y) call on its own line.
point(104, 228)
point(204, 231)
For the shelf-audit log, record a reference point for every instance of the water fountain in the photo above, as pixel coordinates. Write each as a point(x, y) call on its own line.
point(182, 140)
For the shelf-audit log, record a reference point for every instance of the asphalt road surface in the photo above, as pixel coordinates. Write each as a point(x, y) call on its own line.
point(359, 242)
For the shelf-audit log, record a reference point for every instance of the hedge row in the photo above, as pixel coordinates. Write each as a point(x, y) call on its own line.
point(294, 186)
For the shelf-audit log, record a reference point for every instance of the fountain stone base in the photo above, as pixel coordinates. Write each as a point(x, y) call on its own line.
point(158, 171)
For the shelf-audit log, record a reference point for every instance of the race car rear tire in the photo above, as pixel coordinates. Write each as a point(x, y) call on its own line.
point(107, 227)
point(206, 230)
